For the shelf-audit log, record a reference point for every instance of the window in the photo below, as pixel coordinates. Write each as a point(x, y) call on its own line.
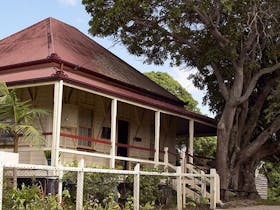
point(106, 133)
point(85, 126)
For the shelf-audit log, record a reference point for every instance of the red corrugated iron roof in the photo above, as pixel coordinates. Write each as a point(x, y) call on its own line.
point(52, 36)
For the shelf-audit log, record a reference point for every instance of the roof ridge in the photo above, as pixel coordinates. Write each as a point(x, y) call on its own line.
point(25, 29)
point(50, 37)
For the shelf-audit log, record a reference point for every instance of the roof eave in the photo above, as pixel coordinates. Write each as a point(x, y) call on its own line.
point(55, 59)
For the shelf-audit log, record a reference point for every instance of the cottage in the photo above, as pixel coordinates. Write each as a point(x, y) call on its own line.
point(103, 110)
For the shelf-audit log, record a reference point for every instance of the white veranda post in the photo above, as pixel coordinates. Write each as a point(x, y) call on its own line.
point(157, 135)
point(191, 136)
point(57, 108)
point(114, 109)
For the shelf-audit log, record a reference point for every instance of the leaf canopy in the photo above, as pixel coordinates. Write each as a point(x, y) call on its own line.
point(174, 87)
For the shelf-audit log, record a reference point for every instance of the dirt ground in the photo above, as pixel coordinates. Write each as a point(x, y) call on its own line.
point(256, 208)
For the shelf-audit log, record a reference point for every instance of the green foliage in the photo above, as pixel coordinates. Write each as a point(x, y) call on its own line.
point(191, 204)
point(167, 82)
point(161, 30)
point(96, 185)
point(205, 146)
point(17, 117)
point(149, 189)
point(272, 111)
point(108, 204)
point(150, 193)
point(148, 206)
point(272, 172)
point(26, 197)
point(32, 198)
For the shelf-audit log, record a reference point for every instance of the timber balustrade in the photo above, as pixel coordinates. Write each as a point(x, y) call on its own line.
point(93, 152)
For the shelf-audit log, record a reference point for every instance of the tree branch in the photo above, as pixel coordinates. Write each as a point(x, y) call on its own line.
point(175, 36)
point(268, 150)
point(222, 87)
point(222, 40)
point(255, 112)
point(254, 81)
point(252, 148)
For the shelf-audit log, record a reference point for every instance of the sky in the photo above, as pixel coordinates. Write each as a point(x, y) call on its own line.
point(17, 15)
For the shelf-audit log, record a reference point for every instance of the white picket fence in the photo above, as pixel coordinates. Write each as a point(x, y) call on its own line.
point(180, 184)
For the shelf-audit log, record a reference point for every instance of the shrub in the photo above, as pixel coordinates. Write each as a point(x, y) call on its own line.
point(32, 198)
point(97, 186)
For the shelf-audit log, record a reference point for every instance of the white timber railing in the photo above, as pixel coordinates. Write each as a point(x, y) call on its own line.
point(137, 173)
point(195, 187)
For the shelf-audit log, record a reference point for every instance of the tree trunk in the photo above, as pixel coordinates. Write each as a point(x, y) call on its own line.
point(223, 133)
point(247, 185)
point(16, 138)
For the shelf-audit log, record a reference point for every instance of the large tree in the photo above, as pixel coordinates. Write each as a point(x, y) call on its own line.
point(167, 82)
point(235, 47)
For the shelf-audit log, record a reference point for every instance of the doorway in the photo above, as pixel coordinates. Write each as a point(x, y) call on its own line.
point(123, 139)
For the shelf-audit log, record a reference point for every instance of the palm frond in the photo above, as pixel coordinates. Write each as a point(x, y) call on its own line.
point(3, 89)
point(18, 117)
point(30, 134)
point(28, 115)
point(5, 128)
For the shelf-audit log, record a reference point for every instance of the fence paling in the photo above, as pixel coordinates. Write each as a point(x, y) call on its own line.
point(136, 187)
point(80, 185)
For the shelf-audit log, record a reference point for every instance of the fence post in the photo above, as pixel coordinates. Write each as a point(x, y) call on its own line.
point(179, 188)
point(218, 198)
point(203, 185)
point(1, 184)
point(213, 189)
point(60, 184)
point(80, 185)
point(136, 187)
point(183, 160)
point(166, 158)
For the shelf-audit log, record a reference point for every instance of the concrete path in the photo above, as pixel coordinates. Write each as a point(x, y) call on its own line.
point(256, 208)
